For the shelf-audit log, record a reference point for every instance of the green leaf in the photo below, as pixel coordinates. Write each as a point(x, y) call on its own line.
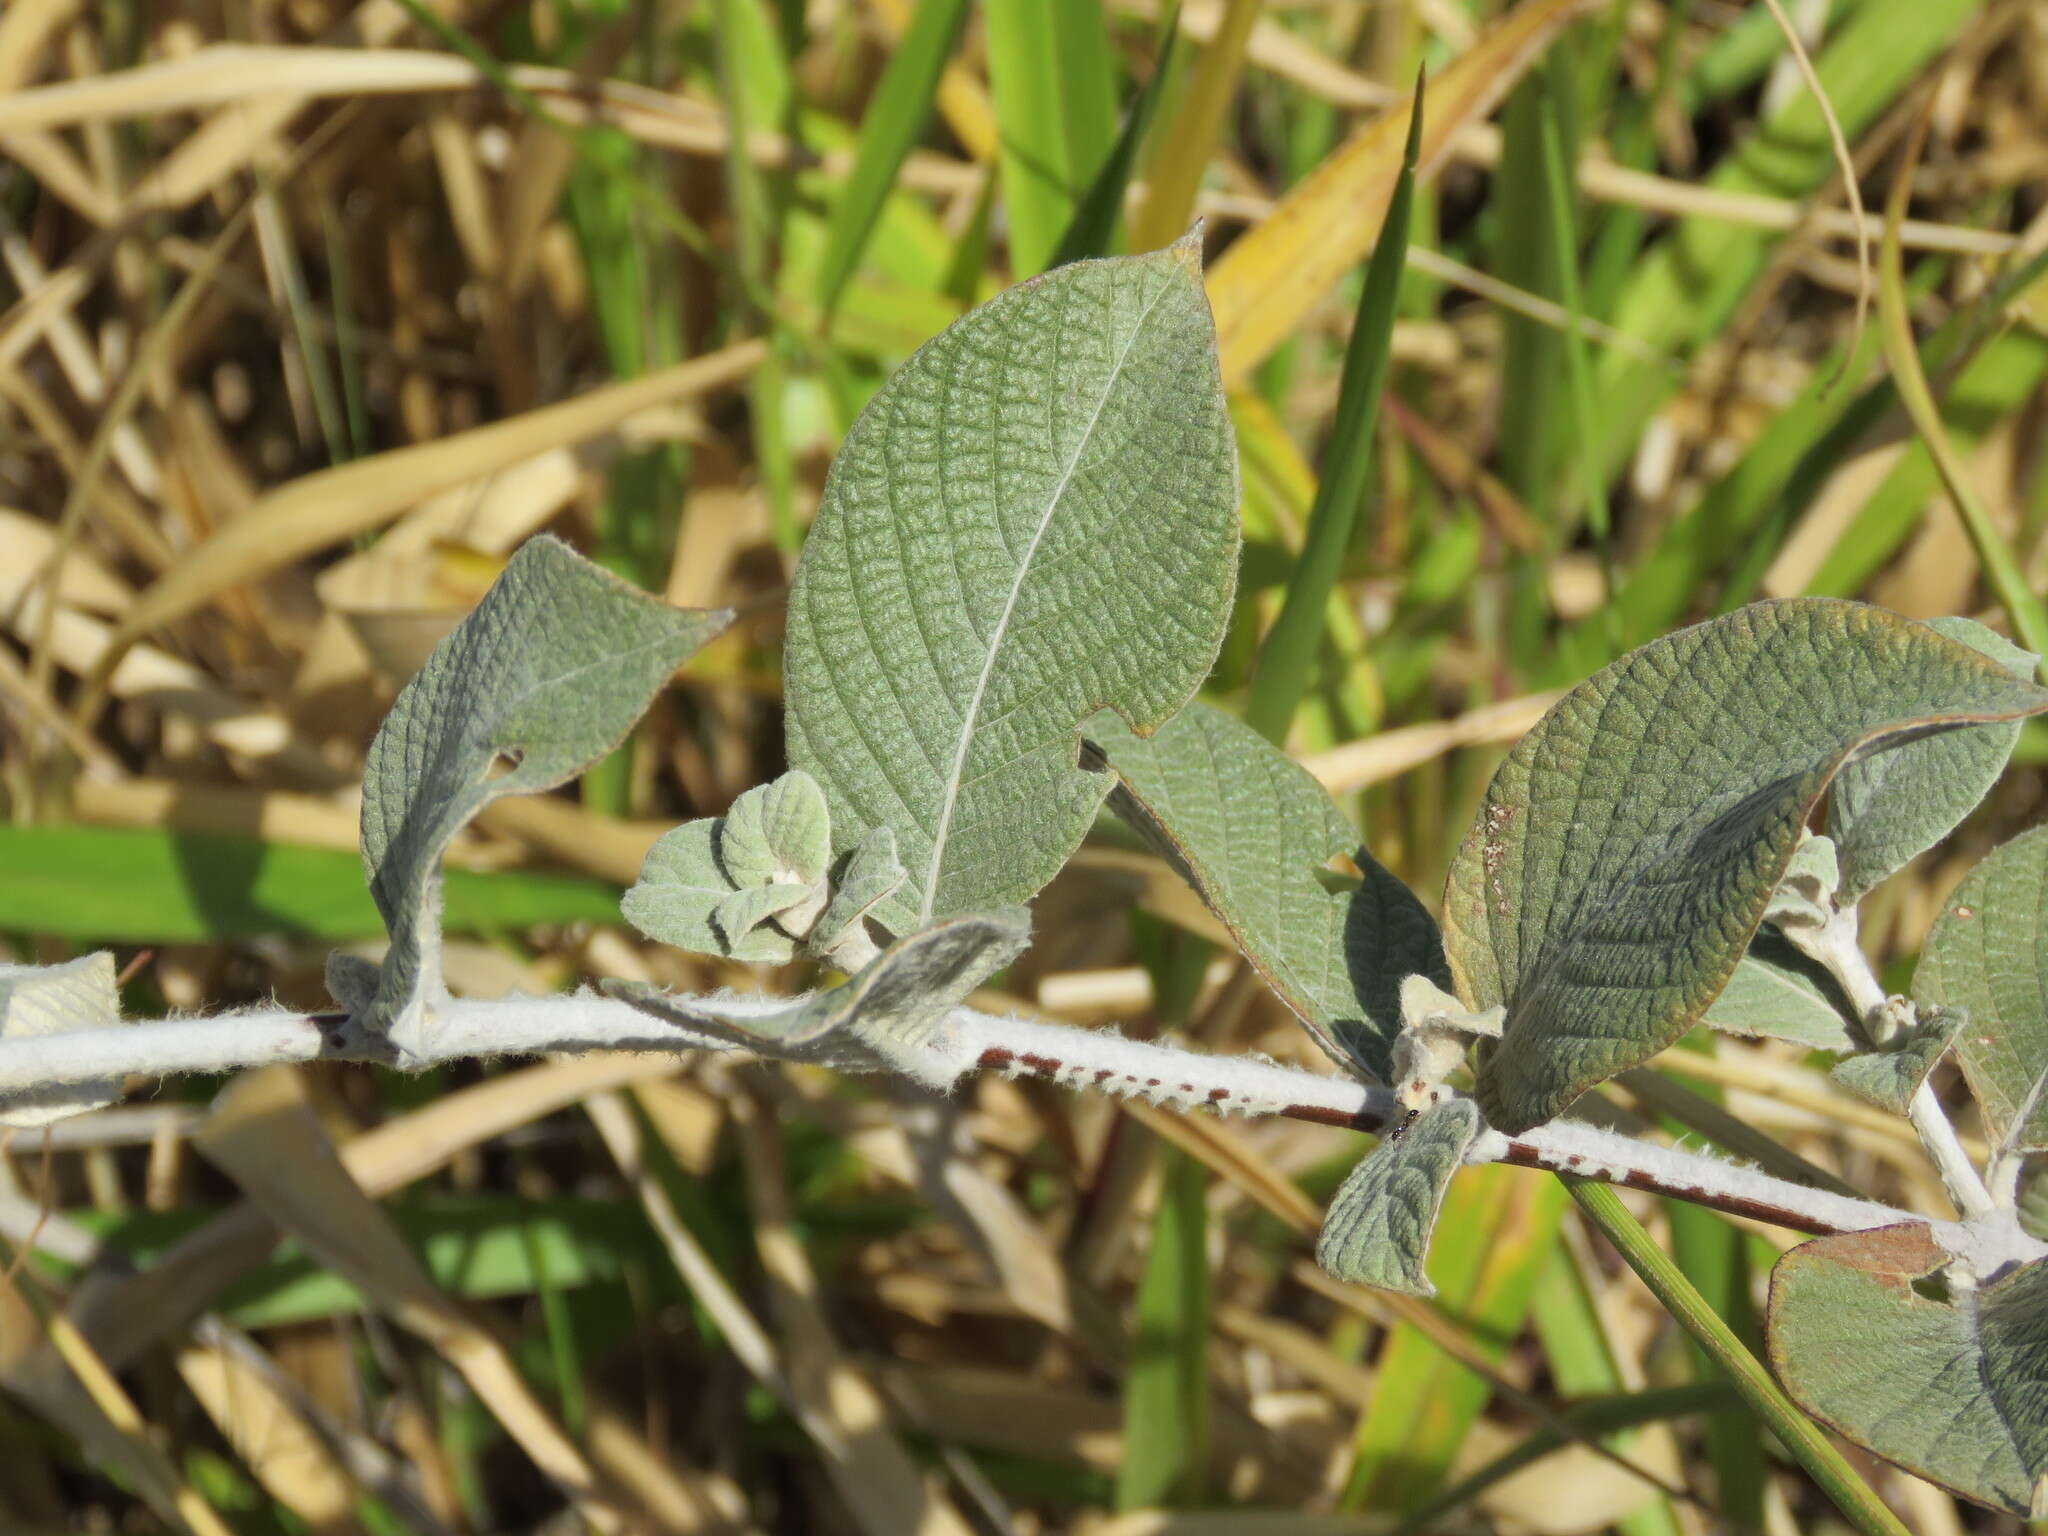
point(1987, 954)
point(1877, 1335)
point(1257, 837)
point(40, 1000)
point(548, 674)
point(1377, 1230)
point(892, 1007)
point(868, 872)
point(713, 885)
point(1898, 803)
point(1779, 994)
point(1036, 518)
point(1629, 845)
point(1890, 1075)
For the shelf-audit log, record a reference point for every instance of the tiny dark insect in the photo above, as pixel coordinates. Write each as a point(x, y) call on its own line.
point(1402, 1129)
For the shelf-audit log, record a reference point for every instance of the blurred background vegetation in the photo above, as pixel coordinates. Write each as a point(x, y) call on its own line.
point(314, 308)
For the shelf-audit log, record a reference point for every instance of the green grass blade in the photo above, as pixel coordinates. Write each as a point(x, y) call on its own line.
point(1804, 1439)
point(1197, 127)
point(145, 886)
point(896, 116)
point(1092, 231)
point(1289, 656)
point(1166, 1391)
point(1048, 62)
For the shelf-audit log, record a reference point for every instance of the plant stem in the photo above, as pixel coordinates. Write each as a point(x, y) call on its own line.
point(1800, 1435)
point(968, 1041)
point(1834, 945)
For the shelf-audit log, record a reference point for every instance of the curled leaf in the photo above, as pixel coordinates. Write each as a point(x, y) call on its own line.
point(1378, 1227)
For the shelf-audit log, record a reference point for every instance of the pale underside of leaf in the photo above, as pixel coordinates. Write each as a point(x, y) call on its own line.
point(1896, 804)
point(1779, 994)
point(1949, 1381)
point(1034, 519)
point(1266, 848)
point(1988, 955)
point(1378, 1227)
point(40, 1000)
point(1891, 1076)
point(548, 673)
point(1629, 845)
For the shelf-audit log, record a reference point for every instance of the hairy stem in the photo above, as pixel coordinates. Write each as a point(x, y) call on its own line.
point(970, 1040)
point(1834, 945)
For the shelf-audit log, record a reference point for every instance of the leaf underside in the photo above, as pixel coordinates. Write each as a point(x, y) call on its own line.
point(1629, 845)
point(549, 673)
point(1949, 1381)
point(1886, 808)
point(1779, 994)
point(1034, 519)
point(1890, 1077)
point(1378, 1227)
point(1256, 836)
point(1988, 955)
point(36, 1000)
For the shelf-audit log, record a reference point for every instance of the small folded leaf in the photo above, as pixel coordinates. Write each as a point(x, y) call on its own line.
point(1878, 1336)
point(62, 999)
point(1377, 1230)
point(681, 884)
point(1256, 836)
point(1630, 843)
point(1987, 954)
point(1898, 803)
point(547, 674)
point(868, 872)
point(1779, 994)
point(779, 832)
point(1890, 1075)
point(1035, 518)
point(1805, 896)
point(740, 917)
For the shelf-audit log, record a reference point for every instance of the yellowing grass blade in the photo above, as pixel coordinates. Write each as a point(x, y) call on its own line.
point(1268, 281)
point(333, 505)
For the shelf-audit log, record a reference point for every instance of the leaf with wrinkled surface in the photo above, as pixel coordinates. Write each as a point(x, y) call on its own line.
point(39, 1000)
point(1777, 993)
point(1629, 844)
point(1260, 840)
point(1946, 1379)
point(1889, 1076)
point(779, 833)
point(1896, 804)
point(1034, 519)
point(1377, 1230)
point(1988, 955)
point(866, 874)
point(549, 673)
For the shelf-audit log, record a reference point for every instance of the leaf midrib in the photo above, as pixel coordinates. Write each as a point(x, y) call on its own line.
point(949, 804)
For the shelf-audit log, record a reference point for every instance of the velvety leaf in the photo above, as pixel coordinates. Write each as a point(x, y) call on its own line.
point(1889, 1076)
point(739, 917)
point(1630, 843)
point(867, 873)
point(1777, 993)
point(1274, 859)
point(56, 1000)
point(1897, 803)
point(778, 832)
point(1805, 896)
point(547, 675)
point(1987, 954)
point(1034, 519)
point(1946, 1378)
point(1378, 1226)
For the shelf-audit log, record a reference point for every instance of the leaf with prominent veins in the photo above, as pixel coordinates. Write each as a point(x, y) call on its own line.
point(1034, 519)
point(549, 674)
point(1879, 1336)
point(39, 1000)
point(1257, 837)
point(1377, 1230)
point(1630, 844)
point(1987, 954)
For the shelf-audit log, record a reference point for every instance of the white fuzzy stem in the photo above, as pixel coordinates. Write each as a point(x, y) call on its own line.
point(1835, 946)
point(969, 1041)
